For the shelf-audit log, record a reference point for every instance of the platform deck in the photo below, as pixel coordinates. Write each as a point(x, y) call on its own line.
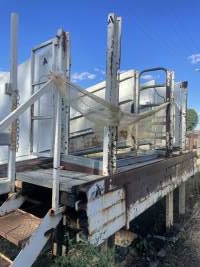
point(68, 179)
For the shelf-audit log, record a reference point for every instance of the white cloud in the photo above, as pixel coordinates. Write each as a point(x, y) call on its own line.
point(4, 75)
point(80, 76)
point(100, 71)
point(194, 59)
point(147, 77)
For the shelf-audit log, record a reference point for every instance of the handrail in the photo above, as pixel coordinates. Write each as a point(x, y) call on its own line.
point(152, 69)
point(23, 107)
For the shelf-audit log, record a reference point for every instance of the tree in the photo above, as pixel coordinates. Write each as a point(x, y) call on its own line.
point(192, 119)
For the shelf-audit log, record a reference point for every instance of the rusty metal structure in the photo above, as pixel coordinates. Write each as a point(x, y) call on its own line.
point(79, 178)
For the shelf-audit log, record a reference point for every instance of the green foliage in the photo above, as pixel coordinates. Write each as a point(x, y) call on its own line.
point(8, 249)
point(192, 119)
point(85, 255)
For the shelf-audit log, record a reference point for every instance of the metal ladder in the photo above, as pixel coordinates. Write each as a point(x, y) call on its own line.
point(44, 64)
point(17, 226)
point(28, 232)
point(38, 79)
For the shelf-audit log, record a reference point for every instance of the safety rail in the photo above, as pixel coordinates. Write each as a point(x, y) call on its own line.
point(56, 157)
point(169, 88)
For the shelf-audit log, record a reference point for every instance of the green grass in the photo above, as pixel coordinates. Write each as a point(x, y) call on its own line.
point(80, 255)
point(85, 255)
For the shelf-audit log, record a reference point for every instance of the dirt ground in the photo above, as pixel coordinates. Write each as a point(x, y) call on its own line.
point(156, 248)
point(187, 252)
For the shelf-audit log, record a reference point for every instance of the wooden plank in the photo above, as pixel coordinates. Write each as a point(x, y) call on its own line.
point(74, 175)
point(169, 211)
point(44, 177)
point(18, 226)
point(47, 180)
point(182, 199)
point(67, 174)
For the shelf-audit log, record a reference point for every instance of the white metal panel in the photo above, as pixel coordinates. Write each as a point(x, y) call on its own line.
point(106, 215)
point(107, 200)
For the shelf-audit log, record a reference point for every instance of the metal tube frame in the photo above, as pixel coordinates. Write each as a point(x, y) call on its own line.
point(168, 98)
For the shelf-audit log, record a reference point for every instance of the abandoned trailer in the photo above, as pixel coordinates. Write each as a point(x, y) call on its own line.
point(90, 160)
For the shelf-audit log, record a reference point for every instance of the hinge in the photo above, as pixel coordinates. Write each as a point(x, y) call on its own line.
point(8, 89)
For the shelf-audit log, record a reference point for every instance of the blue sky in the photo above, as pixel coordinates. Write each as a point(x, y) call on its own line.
point(154, 33)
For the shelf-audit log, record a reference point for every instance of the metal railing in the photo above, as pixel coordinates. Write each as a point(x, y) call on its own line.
point(56, 163)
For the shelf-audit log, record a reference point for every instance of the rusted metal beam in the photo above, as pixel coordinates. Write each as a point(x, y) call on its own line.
point(145, 185)
point(137, 189)
point(64, 68)
point(112, 91)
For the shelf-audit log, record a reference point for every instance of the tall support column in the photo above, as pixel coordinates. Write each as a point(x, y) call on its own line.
point(182, 199)
point(13, 93)
point(56, 158)
point(64, 68)
point(169, 211)
point(169, 112)
point(112, 92)
point(183, 115)
point(136, 98)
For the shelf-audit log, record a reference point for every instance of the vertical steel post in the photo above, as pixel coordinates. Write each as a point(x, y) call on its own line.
point(183, 115)
point(66, 115)
point(32, 106)
point(137, 103)
point(61, 115)
point(112, 92)
point(169, 112)
point(56, 158)
point(54, 47)
point(172, 127)
point(64, 68)
point(13, 83)
point(57, 139)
